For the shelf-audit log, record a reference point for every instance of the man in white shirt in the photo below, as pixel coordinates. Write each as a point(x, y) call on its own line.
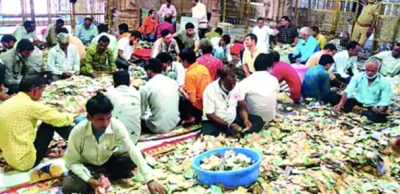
point(126, 48)
point(261, 89)
point(27, 31)
point(126, 101)
point(161, 95)
point(91, 149)
point(63, 60)
point(172, 69)
point(345, 65)
point(390, 61)
point(199, 11)
point(103, 31)
point(263, 32)
point(224, 108)
point(8, 42)
point(166, 43)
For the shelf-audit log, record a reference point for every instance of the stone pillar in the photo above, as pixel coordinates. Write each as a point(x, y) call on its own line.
point(128, 12)
point(215, 11)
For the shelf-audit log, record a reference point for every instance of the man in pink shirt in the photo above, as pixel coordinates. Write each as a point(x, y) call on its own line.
point(213, 64)
point(165, 25)
point(285, 72)
point(167, 8)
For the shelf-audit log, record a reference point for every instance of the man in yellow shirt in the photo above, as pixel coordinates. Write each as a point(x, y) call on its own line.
point(366, 22)
point(23, 146)
point(320, 38)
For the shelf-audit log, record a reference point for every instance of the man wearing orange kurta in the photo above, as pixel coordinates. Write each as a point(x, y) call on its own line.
point(196, 79)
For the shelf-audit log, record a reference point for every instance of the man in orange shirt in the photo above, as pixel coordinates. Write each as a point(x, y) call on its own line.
point(149, 24)
point(196, 79)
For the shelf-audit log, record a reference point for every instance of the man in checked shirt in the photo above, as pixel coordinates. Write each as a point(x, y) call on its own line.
point(287, 32)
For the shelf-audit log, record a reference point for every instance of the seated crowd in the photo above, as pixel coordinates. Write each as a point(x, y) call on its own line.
point(184, 87)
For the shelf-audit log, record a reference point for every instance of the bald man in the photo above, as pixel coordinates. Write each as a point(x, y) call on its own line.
point(305, 47)
point(366, 22)
point(370, 90)
point(341, 43)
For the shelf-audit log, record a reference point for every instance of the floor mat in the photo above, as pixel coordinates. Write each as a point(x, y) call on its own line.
point(49, 169)
point(177, 132)
point(53, 186)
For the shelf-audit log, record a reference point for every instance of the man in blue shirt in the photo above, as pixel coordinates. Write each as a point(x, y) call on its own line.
point(86, 31)
point(316, 82)
point(370, 90)
point(305, 47)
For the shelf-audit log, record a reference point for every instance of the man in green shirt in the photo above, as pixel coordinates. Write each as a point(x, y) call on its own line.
point(217, 33)
point(99, 58)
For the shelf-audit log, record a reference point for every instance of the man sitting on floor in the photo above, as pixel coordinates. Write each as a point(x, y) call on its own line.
point(149, 24)
point(316, 82)
point(223, 50)
point(172, 69)
point(345, 65)
point(342, 42)
point(390, 61)
point(328, 49)
point(126, 101)
point(213, 64)
point(261, 89)
point(86, 31)
point(305, 47)
point(63, 60)
point(167, 24)
point(91, 151)
point(23, 146)
point(165, 44)
point(196, 79)
point(250, 54)
point(126, 48)
point(370, 90)
point(317, 35)
point(22, 60)
point(285, 72)
point(225, 108)
point(161, 95)
point(103, 31)
point(99, 58)
point(8, 42)
point(187, 38)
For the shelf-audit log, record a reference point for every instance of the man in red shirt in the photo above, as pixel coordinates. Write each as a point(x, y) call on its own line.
point(165, 25)
point(285, 72)
point(213, 64)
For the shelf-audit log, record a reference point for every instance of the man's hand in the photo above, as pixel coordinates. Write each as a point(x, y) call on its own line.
point(156, 188)
point(248, 125)
point(4, 96)
point(276, 31)
point(247, 73)
point(236, 128)
point(95, 184)
point(338, 106)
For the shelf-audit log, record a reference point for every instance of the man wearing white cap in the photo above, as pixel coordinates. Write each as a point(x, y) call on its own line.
point(63, 60)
